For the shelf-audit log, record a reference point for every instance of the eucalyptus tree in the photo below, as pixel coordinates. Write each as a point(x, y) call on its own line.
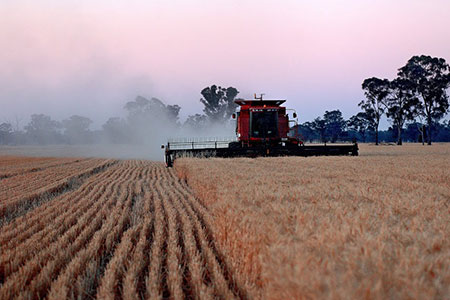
point(402, 104)
point(334, 124)
point(362, 123)
point(218, 103)
point(376, 91)
point(431, 79)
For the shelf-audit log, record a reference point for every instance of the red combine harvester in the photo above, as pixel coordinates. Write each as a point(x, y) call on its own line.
point(262, 129)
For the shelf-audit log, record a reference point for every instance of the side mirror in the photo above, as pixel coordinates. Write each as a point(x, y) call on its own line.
point(294, 115)
point(233, 116)
point(162, 146)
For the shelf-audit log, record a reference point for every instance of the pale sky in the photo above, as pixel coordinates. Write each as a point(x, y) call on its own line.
point(91, 57)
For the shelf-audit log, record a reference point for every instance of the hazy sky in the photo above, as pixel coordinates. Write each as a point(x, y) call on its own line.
point(91, 57)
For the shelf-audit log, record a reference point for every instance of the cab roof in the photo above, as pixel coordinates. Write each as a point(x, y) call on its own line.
point(242, 102)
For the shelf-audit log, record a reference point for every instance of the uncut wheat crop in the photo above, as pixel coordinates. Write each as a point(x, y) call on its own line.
point(376, 226)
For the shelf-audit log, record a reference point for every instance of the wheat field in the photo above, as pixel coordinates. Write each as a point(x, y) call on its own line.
point(106, 229)
point(374, 226)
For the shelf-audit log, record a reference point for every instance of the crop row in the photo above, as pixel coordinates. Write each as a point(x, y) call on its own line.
point(10, 161)
point(13, 166)
point(12, 188)
point(21, 193)
point(131, 231)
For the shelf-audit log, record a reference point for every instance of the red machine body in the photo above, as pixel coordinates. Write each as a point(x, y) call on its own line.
point(263, 122)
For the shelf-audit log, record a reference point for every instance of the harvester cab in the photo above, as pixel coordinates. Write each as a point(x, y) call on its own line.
point(263, 123)
point(262, 129)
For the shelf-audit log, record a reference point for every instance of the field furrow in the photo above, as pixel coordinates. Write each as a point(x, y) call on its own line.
point(26, 197)
point(205, 245)
point(53, 254)
point(213, 269)
point(198, 212)
point(129, 230)
point(63, 211)
point(197, 282)
point(28, 182)
point(101, 248)
point(156, 281)
point(112, 282)
point(12, 259)
point(13, 168)
point(173, 258)
point(134, 280)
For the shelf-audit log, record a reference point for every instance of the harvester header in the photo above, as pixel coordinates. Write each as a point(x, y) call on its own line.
point(262, 129)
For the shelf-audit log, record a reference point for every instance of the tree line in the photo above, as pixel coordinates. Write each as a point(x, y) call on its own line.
point(146, 121)
point(332, 127)
point(418, 94)
point(414, 103)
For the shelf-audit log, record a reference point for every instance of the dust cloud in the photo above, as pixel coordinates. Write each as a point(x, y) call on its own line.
point(144, 126)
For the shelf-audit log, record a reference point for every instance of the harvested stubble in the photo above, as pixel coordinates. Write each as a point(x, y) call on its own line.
point(12, 165)
point(131, 230)
point(373, 226)
point(24, 191)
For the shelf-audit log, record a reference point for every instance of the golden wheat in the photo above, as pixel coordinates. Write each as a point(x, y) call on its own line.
point(373, 226)
point(22, 192)
point(63, 211)
point(12, 166)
